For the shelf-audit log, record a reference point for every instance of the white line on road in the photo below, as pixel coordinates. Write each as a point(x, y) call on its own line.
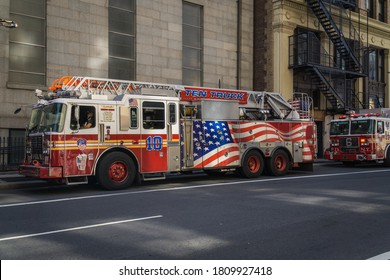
point(384, 256)
point(10, 175)
point(78, 228)
point(191, 187)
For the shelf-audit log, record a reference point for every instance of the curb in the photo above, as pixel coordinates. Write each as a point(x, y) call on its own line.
point(9, 180)
point(19, 184)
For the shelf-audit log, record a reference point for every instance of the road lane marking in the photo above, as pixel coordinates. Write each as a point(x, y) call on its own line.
point(78, 228)
point(191, 187)
point(384, 256)
point(11, 176)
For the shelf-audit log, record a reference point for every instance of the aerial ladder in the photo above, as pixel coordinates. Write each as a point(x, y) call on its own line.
point(85, 87)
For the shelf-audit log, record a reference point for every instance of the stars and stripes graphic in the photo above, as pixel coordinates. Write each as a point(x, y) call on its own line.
point(270, 132)
point(216, 143)
point(213, 145)
point(275, 132)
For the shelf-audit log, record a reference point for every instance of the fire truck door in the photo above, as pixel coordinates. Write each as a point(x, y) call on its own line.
point(81, 142)
point(173, 139)
point(188, 135)
point(298, 141)
point(154, 136)
point(188, 148)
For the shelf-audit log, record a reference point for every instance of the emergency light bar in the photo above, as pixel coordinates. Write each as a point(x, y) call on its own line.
point(64, 94)
point(57, 94)
point(359, 115)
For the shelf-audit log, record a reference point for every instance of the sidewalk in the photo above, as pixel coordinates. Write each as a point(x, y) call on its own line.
point(12, 179)
point(9, 174)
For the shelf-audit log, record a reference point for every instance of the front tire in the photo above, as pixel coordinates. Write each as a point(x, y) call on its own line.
point(252, 165)
point(116, 171)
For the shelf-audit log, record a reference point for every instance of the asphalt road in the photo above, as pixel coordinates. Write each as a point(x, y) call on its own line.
point(335, 213)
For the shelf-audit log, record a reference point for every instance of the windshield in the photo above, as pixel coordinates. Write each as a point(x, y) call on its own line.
point(361, 126)
point(339, 128)
point(48, 118)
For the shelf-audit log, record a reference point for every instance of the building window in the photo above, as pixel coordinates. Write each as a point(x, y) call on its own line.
point(376, 75)
point(192, 44)
point(381, 66)
point(27, 43)
point(121, 36)
point(376, 65)
point(370, 8)
point(382, 10)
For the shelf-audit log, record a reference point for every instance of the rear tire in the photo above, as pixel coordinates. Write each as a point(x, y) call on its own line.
point(278, 164)
point(116, 171)
point(252, 165)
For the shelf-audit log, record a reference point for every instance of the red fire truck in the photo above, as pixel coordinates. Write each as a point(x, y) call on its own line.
point(118, 131)
point(363, 137)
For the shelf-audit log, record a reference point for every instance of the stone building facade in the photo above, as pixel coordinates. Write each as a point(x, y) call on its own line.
point(243, 44)
point(284, 62)
point(56, 38)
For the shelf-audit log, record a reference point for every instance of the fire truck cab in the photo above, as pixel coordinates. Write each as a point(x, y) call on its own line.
point(119, 131)
point(363, 137)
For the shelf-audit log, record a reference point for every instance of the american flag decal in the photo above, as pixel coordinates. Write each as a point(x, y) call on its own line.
point(213, 145)
point(275, 132)
point(216, 143)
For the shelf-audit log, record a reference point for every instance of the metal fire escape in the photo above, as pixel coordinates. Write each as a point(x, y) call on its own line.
point(324, 16)
point(335, 74)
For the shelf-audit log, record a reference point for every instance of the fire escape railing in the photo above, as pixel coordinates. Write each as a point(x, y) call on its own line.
point(346, 4)
point(348, 53)
point(333, 75)
point(306, 52)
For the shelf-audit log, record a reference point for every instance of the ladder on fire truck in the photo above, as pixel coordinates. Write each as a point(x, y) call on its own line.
point(85, 87)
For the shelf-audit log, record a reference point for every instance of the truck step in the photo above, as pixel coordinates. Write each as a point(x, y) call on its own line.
point(153, 176)
point(76, 180)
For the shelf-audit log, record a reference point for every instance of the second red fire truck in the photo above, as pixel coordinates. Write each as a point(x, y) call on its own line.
point(363, 137)
point(118, 131)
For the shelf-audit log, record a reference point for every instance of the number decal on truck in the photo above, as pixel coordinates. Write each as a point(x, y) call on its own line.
point(154, 143)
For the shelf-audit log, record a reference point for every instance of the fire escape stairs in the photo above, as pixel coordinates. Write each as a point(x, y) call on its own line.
point(352, 63)
point(321, 77)
point(335, 34)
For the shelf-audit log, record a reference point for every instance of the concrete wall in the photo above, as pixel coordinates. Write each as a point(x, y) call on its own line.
point(263, 59)
point(77, 44)
point(159, 42)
